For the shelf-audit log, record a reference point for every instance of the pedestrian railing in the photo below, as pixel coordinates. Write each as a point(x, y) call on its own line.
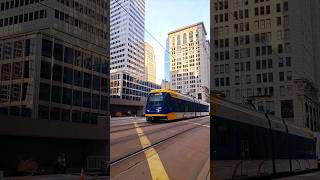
point(97, 164)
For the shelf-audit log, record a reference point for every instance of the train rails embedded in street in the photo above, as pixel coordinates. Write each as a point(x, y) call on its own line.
point(161, 129)
point(118, 128)
point(171, 142)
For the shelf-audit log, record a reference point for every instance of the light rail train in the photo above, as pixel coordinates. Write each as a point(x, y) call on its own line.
point(170, 105)
point(248, 143)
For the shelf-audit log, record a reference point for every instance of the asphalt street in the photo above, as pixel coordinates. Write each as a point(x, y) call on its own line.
point(160, 150)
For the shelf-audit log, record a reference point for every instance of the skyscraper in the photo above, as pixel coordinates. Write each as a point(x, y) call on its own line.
point(127, 55)
point(127, 36)
point(189, 61)
point(150, 63)
point(167, 61)
point(264, 51)
point(54, 80)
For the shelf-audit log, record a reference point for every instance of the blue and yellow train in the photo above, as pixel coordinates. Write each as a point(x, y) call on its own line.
point(171, 105)
point(249, 143)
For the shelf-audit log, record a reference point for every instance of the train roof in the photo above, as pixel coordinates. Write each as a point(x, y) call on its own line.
point(246, 115)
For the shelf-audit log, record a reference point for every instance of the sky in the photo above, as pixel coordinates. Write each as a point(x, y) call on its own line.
point(163, 16)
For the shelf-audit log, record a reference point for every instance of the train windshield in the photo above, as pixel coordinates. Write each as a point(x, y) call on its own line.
point(156, 99)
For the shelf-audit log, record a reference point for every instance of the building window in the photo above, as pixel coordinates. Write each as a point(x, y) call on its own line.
point(44, 93)
point(184, 38)
point(217, 82)
point(279, 35)
point(257, 51)
point(236, 67)
point(57, 73)
point(270, 63)
point(270, 77)
point(285, 6)
point(58, 51)
point(280, 48)
point(67, 96)
point(68, 75)
point(256, 11)
point(267, 9)
point(278, 7)
point(46, 48)
point(68, 55)
point(289, 75)
point(45, 70)
point(288, 61)
point(286, 20)
point(56, 94)
point(281, 76)
point(279, 21)
point(287, 109)
point(262, 10)
point(227, 81)
point(258, 65)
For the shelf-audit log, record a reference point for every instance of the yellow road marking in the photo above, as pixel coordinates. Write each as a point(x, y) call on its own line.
point(155, 165)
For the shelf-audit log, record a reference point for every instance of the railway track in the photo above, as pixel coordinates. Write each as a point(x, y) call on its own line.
point(155, 144)
point(118, 128)
point(150, 132)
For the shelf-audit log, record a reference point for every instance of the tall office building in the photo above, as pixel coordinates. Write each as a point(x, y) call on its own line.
point(54, 81)
point(127, 51)
point(150, 63)
point(189, 61)
point(265, 51)
point(127, 37)
point(167, 61)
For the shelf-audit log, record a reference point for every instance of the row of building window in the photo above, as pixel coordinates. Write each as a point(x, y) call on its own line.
point(67, 96)
point(241, 27)
point(222, 82)
point(16, 49)
point(243, 66)
point(264, 64)
point(264, 78)
point(222, 68)
point(261, 91)
point(66, 18)
point(11, 4)
point(260, 78)
point(57, 113)
point(258, 25)
point(245, 53)
point(246, 66)
point(85, 10)
point(73, 56)
point(177, 41)
point(73, 77)
point(262, 10)
point(22, 18)
point(312, 113)
point(15, 92)
point(15, 71)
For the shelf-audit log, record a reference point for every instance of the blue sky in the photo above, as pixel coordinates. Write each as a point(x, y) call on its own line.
point(163, 16)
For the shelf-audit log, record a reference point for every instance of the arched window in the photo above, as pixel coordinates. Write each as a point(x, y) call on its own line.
point(184, 38)
point(191, 36)
point(178, 40)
